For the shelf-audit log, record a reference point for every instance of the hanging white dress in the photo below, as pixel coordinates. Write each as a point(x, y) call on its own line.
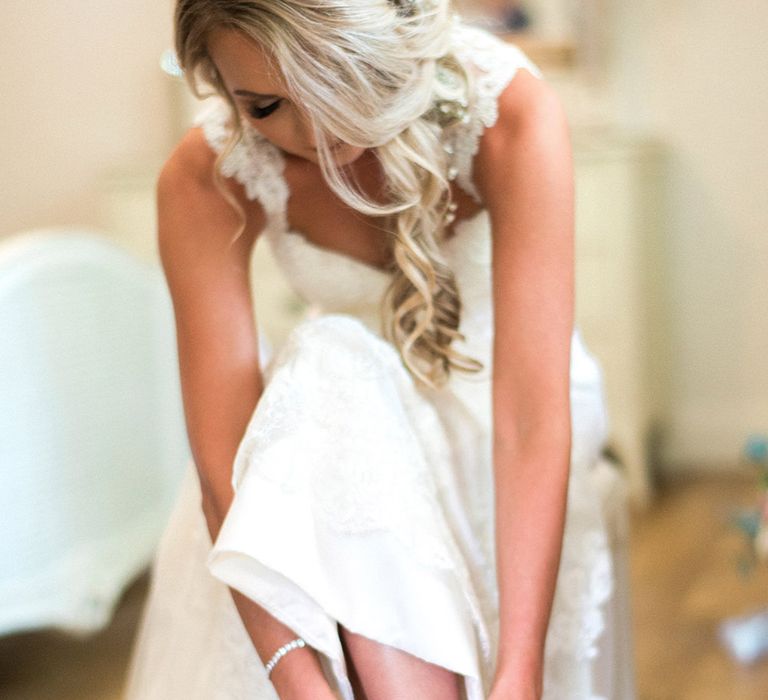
point(360, 499)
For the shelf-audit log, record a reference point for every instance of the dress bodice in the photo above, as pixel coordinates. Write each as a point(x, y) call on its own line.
point(332, 281)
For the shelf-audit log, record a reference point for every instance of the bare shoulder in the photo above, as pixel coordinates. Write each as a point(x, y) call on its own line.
point(532, 127)
point(527, 103)
point(194, 215)
point(189, 168)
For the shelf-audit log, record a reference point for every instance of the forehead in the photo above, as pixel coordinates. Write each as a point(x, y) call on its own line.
point(244, 64)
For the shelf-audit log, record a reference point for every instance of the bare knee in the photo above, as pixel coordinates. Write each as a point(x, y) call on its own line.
point(354, 677)
point(385, 673)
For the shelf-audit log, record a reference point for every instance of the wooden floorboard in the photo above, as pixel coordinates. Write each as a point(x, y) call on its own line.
point(685, 581)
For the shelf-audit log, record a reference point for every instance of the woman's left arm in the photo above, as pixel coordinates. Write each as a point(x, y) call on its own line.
point(524, 173)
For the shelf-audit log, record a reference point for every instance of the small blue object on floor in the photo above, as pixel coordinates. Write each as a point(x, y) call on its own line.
point(746, 637)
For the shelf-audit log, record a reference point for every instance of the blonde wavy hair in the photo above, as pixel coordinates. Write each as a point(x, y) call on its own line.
point(371, 73)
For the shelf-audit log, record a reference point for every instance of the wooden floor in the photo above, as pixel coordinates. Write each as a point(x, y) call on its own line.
point(51, 666)
point(684, 581)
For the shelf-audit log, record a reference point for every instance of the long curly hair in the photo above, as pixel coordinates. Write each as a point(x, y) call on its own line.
point(376, 74)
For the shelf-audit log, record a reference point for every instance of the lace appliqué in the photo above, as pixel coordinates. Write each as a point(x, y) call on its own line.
point(254, 162)
point(584, 586)
point(495, 62)
point(341, 423)
point(333, 422)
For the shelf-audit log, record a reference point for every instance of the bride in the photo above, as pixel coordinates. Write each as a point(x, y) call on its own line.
point(397, 503)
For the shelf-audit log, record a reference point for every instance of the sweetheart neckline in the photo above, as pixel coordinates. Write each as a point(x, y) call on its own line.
point(297, 234)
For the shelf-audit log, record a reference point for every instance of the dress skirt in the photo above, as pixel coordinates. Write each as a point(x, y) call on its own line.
point(364, 501)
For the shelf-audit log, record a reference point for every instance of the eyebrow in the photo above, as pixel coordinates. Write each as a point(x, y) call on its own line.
point(249, 93)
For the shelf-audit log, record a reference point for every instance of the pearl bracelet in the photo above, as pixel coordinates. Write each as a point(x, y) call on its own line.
point(282, 651)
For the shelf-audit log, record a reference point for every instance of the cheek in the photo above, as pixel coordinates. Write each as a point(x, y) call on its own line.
point(270, 130)
point(281, 130)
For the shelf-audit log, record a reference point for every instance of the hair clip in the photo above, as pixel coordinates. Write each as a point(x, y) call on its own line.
point(405, 8)
point(451, 106)
point(408, 8)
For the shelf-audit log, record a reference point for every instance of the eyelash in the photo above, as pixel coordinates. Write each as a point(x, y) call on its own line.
point(262, 112)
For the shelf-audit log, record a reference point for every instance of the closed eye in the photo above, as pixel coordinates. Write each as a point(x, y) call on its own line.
point(262, 112)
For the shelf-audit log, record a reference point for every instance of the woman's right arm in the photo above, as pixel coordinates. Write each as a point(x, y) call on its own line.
point(221, 379)
point(215, 327)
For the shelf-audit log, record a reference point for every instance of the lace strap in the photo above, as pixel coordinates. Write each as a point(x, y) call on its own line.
point(258, 165)
point(253, 162)
point(496, 62)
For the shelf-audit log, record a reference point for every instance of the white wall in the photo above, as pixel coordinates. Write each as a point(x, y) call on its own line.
point(696, 73)
point(81, 94)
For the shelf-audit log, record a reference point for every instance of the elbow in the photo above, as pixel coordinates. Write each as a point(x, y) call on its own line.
point(539, 433)
point(539, 448)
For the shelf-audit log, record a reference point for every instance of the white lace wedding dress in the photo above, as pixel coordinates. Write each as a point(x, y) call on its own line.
point(360, 499)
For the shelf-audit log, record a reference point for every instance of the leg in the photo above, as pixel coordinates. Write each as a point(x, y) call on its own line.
point(386, 673)
point(298, 676)
point(354, 679)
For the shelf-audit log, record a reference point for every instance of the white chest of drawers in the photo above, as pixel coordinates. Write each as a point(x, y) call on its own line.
point(620, 287)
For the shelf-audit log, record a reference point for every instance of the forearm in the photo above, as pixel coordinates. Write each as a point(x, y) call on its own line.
point(531, 483)
point(299, 675)
point(216, 427)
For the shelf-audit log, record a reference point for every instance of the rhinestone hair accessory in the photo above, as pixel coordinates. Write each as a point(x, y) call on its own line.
point(450, 106)
point(408, 8)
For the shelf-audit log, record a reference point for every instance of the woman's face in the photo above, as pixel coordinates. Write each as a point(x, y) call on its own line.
point(263, 100)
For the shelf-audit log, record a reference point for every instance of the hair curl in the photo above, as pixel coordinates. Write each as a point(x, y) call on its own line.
point(369, 72)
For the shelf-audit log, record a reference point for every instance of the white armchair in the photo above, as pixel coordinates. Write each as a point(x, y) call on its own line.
point(92, 437)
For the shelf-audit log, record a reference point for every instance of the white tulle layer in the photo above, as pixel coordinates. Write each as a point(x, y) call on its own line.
point(362, 501)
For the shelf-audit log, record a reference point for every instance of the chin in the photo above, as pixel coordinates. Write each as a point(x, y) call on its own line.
point(348, 154)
